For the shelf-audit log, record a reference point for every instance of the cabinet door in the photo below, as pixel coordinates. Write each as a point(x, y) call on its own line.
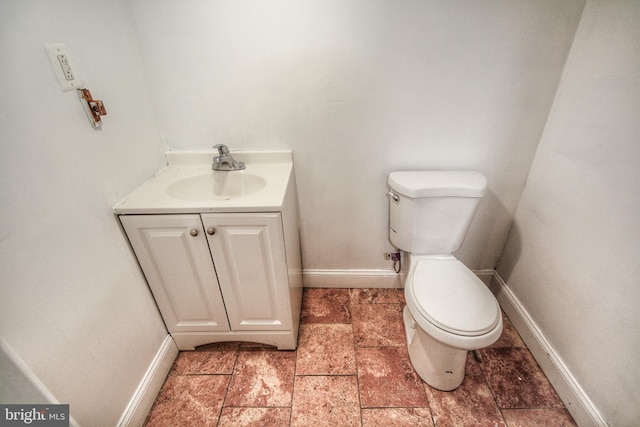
point(248, 252)
point(175, 258)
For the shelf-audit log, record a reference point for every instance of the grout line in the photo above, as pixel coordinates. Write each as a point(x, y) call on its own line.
point(355, 354)
point(493, 395)
point(226, 393)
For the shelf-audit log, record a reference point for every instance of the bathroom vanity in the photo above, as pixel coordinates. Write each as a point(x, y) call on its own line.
point(220, 249)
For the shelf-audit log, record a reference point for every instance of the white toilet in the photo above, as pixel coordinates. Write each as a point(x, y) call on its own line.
point(449, 309)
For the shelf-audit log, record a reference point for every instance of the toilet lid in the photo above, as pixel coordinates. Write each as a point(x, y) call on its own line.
point(449, 296)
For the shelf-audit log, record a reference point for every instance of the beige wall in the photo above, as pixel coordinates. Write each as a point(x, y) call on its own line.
point(360, 88)
point(572, 256)
point(74, 306)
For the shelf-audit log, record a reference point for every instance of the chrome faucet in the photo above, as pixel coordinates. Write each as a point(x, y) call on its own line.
point(224, 161)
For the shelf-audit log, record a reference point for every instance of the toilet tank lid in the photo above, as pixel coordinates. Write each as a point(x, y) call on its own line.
point(417, 184)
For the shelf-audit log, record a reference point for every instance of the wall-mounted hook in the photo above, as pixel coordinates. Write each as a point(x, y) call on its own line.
point(93, 107)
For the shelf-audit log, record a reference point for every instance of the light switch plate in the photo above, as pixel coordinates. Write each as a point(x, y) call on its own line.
point(62, 67)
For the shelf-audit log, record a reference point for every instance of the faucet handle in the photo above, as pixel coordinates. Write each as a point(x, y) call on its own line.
point(223, 150)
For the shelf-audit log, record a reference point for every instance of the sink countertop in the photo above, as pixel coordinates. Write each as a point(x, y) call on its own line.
point(275, 167)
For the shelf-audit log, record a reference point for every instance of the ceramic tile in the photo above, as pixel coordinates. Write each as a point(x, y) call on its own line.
point(397, 417)
point(189, 401)
point(516, 380)
point(254, 417)
point(326, 349)
point(377, 296)
point(472, 365)
point(325, 306)
point(377, 325)
point(535, 417)
point(387, 379)
point(471, 404)
point(509, 337)
point(262, 378)
point(325, 401)
point(209, 360)
point(352, 368)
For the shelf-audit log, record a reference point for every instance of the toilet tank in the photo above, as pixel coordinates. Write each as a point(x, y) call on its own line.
point(430, 211)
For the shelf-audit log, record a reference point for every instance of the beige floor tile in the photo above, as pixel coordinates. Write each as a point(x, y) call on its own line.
point(387, 379)
point(325, 306)
point(326, 349)
point(325, 401)
point(516, 380)
point(378, 325)
point(191, 400)
point(396, 417)
point(535, 417)
point(262, 378)
point(205, 362)
point(377, 296)
point(471, 404)
point(254, 417)
point(509, 337)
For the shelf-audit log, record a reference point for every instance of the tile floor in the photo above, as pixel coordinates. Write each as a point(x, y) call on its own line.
point(351, 368)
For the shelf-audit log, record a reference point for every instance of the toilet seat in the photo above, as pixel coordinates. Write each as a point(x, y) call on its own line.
point(443, 293)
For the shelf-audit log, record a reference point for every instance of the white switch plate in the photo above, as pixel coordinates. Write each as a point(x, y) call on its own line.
point(62, 67)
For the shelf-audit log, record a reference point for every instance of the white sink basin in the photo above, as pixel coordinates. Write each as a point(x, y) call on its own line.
point(216, 185)
point(189, 185)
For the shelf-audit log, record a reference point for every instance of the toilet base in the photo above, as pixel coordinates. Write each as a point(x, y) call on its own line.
point(439, 365)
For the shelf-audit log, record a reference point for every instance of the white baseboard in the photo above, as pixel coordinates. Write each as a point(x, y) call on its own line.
point(574, 397)
point(352, 279)
point(365, 278)
point(142, 400)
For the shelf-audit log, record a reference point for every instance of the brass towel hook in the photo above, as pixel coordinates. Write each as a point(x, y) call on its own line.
point(94, 107)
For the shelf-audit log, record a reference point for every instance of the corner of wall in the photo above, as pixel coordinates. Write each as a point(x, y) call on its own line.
point(571, 393)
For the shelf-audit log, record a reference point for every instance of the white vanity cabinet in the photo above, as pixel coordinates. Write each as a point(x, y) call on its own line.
point(218, 276)
point(220, 250)
point(249, 256)
point(173, 253)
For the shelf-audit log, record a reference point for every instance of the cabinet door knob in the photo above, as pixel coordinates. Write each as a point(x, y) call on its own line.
point(193, 232)
point(211, 231)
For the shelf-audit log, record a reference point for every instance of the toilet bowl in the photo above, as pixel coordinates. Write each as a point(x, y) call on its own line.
point(449, 309)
